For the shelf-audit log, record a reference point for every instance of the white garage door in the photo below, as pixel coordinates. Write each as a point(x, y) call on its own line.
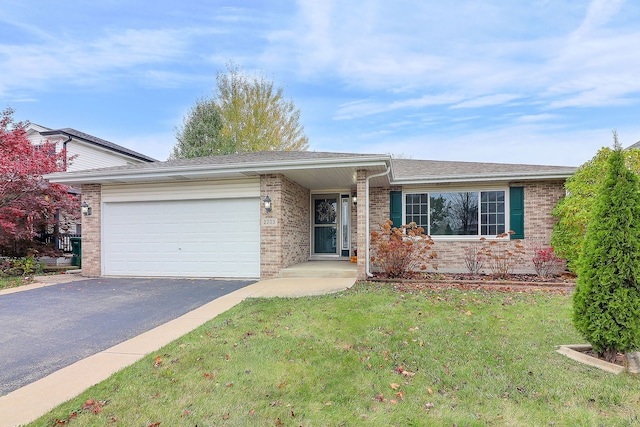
point(193, 238)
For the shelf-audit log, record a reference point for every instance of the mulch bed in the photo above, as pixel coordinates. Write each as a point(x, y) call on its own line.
point(563, 283)
point(619, 357)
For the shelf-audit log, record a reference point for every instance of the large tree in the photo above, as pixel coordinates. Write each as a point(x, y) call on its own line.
point(199, 135)
point(606, 303)
point(247, 113)
point(574, 211)
point(29, 204)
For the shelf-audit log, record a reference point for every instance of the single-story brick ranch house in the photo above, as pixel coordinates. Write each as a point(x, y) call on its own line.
point(207, 217)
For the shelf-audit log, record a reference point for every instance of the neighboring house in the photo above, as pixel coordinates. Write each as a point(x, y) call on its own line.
point(84, 152)
point(207, 217)
point(636, 145)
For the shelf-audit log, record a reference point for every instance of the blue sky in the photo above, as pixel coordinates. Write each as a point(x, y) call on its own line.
point(531, 81)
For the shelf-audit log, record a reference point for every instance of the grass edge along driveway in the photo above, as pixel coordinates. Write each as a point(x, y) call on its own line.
point(367, 356)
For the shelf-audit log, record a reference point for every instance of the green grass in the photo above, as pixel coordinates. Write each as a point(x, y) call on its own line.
point(12, 282)
point(368, 356)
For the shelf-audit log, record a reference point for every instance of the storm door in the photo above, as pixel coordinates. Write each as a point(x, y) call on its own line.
point(325, 224)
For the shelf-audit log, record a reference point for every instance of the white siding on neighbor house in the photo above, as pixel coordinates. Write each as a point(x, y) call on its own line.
point(89, 157)
point(182, 229)
point(37, 139)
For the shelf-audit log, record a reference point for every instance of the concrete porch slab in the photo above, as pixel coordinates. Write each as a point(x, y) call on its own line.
point(320, 269)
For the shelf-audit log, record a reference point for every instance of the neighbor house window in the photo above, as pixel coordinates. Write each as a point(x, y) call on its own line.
point(462, 213)
point(48, 148)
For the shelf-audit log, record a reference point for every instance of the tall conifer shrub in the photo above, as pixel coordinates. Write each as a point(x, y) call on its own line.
point(606, 303)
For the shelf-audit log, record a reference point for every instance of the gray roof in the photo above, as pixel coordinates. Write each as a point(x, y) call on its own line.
point(241, 159)
point(407, 169)
point(312, 167)
point(99, 142)
point(636, 145)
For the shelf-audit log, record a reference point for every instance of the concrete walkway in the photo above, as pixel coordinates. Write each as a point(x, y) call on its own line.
point(34, 400)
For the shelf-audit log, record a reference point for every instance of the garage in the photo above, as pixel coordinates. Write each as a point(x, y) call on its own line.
point(196, 237)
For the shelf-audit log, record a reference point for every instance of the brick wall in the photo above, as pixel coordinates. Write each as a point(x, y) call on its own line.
point(380, 205)
point(91, 240)
point(284, 232)
point(296, 223)
point(540, 198)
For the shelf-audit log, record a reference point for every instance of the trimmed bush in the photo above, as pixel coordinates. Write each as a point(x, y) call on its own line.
point(398, 252)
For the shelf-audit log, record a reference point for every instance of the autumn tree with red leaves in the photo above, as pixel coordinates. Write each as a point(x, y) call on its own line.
point(28, 202)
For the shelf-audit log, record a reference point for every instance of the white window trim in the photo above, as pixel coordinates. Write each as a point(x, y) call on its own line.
point(460, 238)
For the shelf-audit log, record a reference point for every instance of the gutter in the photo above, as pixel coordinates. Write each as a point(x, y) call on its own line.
point(146, 171)
point(527, 176)
point(367, 227)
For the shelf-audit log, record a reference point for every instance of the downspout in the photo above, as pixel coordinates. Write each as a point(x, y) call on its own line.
point(64, 150)
point(56, 227)
point(366, 196)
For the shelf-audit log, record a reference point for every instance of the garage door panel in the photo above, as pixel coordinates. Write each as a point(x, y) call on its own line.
point(197, 238)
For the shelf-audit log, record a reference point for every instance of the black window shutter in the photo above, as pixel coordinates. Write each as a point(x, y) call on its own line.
point(395, 211)
point(516, 202)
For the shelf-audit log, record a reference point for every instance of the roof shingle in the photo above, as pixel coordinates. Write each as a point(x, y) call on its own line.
point(409, 168)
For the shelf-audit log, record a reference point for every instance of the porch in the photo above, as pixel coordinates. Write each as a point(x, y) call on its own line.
point(61, 242)
point(321, 269)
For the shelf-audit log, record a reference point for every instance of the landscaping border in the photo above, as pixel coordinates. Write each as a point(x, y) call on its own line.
point(577, 352)
point(500, 285)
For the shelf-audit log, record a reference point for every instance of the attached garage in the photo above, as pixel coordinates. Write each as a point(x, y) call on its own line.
point(203, 229)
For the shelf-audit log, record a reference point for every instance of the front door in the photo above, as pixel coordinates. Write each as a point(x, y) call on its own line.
point(325, 224)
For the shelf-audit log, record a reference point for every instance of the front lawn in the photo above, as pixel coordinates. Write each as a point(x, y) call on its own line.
point(367, 356)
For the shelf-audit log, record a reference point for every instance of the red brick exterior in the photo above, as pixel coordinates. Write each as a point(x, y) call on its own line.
point(380, 205)
point(285, 231)
point(91, 233)
point(540, 197)
point(539, 200)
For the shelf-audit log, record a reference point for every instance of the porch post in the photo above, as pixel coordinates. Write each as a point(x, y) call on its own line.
point(91, 231)
point(271, 225)
point(361, 214)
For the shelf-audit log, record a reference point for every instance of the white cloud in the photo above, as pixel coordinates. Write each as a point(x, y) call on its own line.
point(361, 108)
point(82, 61)
point(400, 50)
point(598, 14)
point(531, 118)
point(485, 101)
point(351, 110)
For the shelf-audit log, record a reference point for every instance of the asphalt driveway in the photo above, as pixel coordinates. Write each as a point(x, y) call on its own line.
point(45, 329)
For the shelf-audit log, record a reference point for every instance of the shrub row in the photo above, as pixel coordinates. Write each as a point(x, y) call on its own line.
point(401, 251)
